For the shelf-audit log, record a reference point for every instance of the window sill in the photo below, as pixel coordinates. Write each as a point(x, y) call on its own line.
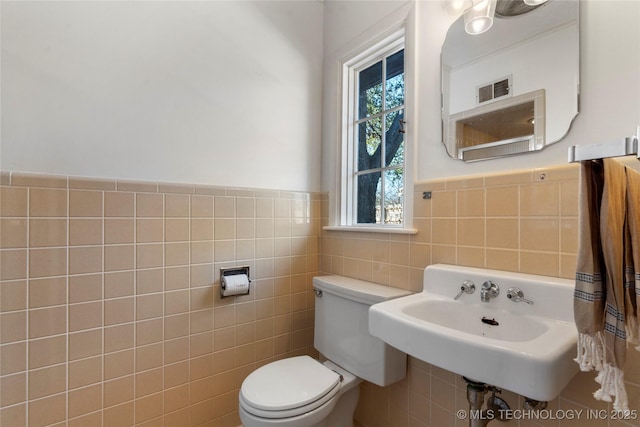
point(370, 229)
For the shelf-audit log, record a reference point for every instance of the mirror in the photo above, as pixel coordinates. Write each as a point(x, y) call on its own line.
point(513, 89)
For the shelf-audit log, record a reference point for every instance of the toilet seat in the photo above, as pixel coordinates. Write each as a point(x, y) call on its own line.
point(288, 388)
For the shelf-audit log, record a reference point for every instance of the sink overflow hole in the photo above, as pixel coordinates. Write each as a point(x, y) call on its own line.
point(492, 322)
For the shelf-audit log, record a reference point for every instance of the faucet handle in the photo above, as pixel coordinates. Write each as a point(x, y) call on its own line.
point(516, 294)
point(467, 287)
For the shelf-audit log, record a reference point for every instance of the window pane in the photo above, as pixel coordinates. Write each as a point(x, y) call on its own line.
point(393, 196)
point(395, 80)
point(369, 140)
point(369, 198)
point(370, 91)
point(394, 139)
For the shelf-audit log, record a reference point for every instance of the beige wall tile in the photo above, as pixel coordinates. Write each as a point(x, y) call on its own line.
point(13, 326)
point(47, 351)
point(119, 415)
point(149, 331)
point(14, 201)
point(47, 232)
point(149, 281)
point(224, 207)
point(471, 202)
point(176, 206)
point(149, 382)
point(503, 233)
point(545, 264)
point(119, 257)
point(85, 400)
point(149, 205)
point(149, 230)
point(47, 321)
point(44, 202)
point(444, 231)
point(149, 306)
point(541, 199)
point(13, 295)
point(85, 203)
point(26, 179)
point(85, 259)
point(118, 310)
point(14, 264)
point(176, 278)
point(202, 228)
point(47, 411)
point(85, 232)
point(503, 201)
point(176, 230)
point(498, 259)
point(471, 232)
point(85, 316)
point(14, 233)
point(85, 344)
point(47, 381)
point(202, 207)
point(14, 358)
point(14, 415)
point(149, 357)
point(13, 389)
point(80, 183)
point(119, 337)
point(118, 230)
point(119, 204)
point(119, 364)
point(119, 390)
point(85, 372)
point(539, 234)
point(119, 284)
point(148, 407)
point(149, 255)
point(84, 288)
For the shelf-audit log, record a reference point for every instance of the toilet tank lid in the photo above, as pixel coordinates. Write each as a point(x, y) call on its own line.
point(357, 290)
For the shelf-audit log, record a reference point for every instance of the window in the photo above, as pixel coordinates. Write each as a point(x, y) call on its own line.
point(373, 178)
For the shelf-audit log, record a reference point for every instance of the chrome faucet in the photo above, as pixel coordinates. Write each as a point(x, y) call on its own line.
point(489, 290)
point(467, 288)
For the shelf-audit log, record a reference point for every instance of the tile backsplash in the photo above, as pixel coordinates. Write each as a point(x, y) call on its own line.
point(523, 221)
point(110, 311)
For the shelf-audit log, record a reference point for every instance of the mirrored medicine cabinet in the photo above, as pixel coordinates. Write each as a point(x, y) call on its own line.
point(513, 89)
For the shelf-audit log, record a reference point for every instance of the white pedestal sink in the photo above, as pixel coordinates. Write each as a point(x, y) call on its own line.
point(521, 347)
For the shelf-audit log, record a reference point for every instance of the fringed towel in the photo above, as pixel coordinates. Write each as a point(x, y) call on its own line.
point(607, 284)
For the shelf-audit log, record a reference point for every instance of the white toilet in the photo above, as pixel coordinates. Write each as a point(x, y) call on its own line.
point(302, 392)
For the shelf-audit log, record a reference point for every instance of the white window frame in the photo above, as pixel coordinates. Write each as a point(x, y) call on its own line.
point(390, 43)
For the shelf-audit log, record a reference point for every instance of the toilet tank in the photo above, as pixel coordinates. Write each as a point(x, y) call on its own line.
point(342, 328)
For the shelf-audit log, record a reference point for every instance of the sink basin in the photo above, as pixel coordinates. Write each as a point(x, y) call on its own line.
point(521, 347)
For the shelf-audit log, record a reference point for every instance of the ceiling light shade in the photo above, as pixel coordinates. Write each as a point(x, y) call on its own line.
point(479, 18)
point(456, 7)
point(534, 2)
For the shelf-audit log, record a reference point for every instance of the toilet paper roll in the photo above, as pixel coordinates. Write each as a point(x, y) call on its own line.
point(237, 284)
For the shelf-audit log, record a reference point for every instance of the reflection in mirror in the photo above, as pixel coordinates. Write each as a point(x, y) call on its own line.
point(525, 58)
point(506, 127)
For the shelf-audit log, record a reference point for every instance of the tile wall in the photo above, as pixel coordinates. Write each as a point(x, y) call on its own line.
point(110, 313)
point(525, 221)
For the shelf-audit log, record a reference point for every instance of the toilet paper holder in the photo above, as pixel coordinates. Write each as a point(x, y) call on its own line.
point(232, 271)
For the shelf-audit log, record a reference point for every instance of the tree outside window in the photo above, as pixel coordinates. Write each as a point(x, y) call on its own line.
point(379, 140)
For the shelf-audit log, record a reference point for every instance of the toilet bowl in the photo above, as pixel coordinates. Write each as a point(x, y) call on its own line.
point(299, 392)
point(302, 392)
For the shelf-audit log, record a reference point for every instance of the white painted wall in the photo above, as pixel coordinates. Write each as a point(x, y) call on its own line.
point(609, 97)
point(610, 84)
point(213, 92)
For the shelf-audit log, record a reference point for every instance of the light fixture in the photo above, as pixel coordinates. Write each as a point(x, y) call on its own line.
point(479, 17)
point(534, 2)
point(456, 7)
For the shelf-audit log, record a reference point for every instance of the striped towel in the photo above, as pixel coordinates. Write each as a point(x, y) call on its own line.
point(607, 288)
